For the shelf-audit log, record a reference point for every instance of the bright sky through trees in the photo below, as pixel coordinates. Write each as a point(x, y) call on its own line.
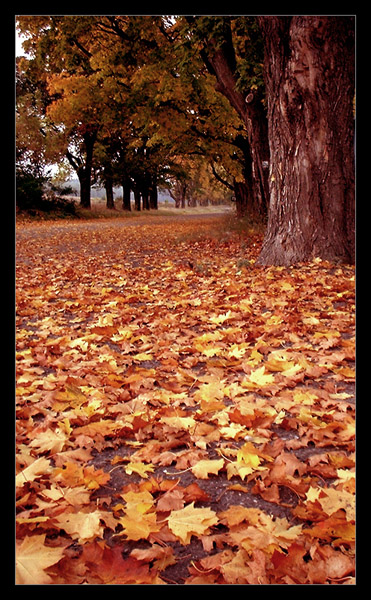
point(18, 44)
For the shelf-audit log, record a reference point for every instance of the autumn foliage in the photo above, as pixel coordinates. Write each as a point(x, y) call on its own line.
point(183, 416)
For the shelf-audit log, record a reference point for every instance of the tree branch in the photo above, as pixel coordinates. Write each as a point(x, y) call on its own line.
point(74, 161)
point(220, 179)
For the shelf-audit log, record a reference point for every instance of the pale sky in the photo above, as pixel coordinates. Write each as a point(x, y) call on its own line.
point(18, 44)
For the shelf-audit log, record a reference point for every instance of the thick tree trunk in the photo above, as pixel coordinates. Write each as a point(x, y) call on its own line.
point(84, 176)
point(309, 70)
point(89, 141)
point(126, 204)
point(248, 203)
point(137, 199)
point(108, 185)
point(153, 196)
point(145, 197)
point(241, 194)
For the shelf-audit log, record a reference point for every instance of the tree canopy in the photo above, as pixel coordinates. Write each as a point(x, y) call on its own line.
point(189, 104)
point(126, 100)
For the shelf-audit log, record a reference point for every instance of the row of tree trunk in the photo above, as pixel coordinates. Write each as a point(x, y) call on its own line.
point(145, 194)
point(144, 189)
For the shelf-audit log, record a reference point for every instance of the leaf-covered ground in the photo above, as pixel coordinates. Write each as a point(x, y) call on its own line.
point(182, 415)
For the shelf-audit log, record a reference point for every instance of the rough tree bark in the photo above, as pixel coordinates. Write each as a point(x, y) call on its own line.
point(309, 72)
point(241, 194)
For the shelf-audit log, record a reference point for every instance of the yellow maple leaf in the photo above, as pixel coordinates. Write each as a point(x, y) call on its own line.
point(286, 286)
point(345, 475)
point(218, 319)
point(247, 456)
point(143, 356)
point(49, 440)
point(313, 494)
point(123, 333)
point(282, 531)
point(279, 361)
point(140, 502)
point(237, 350)
point(258, 378)
point(304, 397)
point(233, 431)
point(138, 522)
point(210, 396)
point(245, 305)
point(105, 320)
point(203, 468)
point(139, 468)
point(190, 521)
point(238, 468)
point(346, 372)
point(210, 351)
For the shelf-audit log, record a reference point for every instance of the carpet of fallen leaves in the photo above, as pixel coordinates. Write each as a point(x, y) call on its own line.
point(183, 416)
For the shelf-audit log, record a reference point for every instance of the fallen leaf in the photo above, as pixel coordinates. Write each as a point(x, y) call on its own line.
point(32, 558)
point(160, 556)
point(258, 378)
point(139, 468)
point(191, 521)
point(332, 500)
point(138, 526)
point(81, 526)
point(171, 500)
point(40, 466)
point(203, 468)
point(187, 375)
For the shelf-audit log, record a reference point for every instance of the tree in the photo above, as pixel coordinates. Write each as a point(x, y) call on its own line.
point(309, 73)
point(58, 48)
point(38, 142)
point(128, 102)
point(230, 48)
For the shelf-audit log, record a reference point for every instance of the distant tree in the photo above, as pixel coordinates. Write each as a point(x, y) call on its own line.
point(58, 53)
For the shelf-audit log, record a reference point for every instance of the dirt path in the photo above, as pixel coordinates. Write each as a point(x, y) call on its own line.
point(96, 236)
point(157, 364)
point(47, 229)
